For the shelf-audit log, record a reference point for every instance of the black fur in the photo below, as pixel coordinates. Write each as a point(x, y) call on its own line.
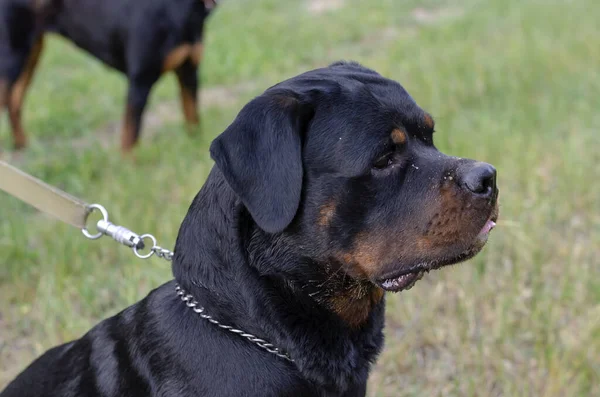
point(255, 253)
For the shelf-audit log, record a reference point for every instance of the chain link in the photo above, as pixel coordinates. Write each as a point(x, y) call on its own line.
point(195, 306)
point(163, 253)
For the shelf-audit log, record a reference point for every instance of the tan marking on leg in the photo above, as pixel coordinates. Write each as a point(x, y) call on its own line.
point(189, 103)
point(3, 94)
point(196, 53)
point(18, 92)
point(176, 57)
point(128, 135)
point(398, 136)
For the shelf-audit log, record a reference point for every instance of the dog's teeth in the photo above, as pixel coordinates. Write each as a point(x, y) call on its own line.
point(388, 283)
point(396, 283)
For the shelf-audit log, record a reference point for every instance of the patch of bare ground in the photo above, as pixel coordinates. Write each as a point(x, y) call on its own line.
point(431, 16)
point(323, 6)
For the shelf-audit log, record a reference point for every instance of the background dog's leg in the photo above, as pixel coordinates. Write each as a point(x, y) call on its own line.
point(17, 93)
point(137, 97)
point(187, 75)
point(4, 90)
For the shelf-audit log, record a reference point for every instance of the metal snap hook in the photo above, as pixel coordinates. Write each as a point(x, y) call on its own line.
point(104, 213)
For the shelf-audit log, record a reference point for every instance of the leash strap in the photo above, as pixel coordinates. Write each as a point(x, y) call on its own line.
point(42, 196)
point(73, 211)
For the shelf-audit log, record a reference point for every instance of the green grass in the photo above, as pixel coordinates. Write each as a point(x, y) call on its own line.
point(514, 83)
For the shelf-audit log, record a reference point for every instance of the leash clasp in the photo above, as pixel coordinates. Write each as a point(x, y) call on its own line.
point(118, 233)
point(125, 236)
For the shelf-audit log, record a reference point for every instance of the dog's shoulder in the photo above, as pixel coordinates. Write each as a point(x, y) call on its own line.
point(94, 364)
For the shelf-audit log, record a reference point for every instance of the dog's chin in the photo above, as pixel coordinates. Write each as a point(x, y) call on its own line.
point(405, 277)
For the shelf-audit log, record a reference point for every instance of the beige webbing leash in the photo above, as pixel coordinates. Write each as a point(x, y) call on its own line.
point(72, 210)
point(42, 196)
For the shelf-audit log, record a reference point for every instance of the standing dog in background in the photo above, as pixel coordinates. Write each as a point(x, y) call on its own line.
point(142, 39)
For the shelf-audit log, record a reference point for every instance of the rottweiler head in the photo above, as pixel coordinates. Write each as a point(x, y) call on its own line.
point(340, 162)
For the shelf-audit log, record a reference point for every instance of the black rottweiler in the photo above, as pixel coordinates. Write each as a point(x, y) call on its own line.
point(142, 39)
point(327, 191)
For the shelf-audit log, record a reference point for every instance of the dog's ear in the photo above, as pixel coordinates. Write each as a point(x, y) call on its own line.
point(260, 155)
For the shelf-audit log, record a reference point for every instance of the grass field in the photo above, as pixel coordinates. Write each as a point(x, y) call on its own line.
point(512, 82)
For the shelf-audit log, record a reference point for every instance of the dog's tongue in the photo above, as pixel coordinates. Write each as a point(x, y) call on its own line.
point(489, 225)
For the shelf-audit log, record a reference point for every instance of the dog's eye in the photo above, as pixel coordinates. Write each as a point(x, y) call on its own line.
point(384, 161)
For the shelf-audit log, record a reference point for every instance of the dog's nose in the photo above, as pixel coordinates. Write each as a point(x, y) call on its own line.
point(481, 179)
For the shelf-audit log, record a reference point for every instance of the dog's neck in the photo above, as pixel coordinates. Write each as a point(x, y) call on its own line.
point(228, 264)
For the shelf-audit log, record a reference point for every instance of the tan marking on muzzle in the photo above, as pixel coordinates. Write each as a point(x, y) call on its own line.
point(364, 259)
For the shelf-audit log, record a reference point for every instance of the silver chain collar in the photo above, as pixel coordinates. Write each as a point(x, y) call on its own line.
point(136, 243)
point(195, 306)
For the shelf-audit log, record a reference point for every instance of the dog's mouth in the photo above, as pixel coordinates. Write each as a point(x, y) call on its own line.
point(402, 282)
point(405, 279)
point(488, 226)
